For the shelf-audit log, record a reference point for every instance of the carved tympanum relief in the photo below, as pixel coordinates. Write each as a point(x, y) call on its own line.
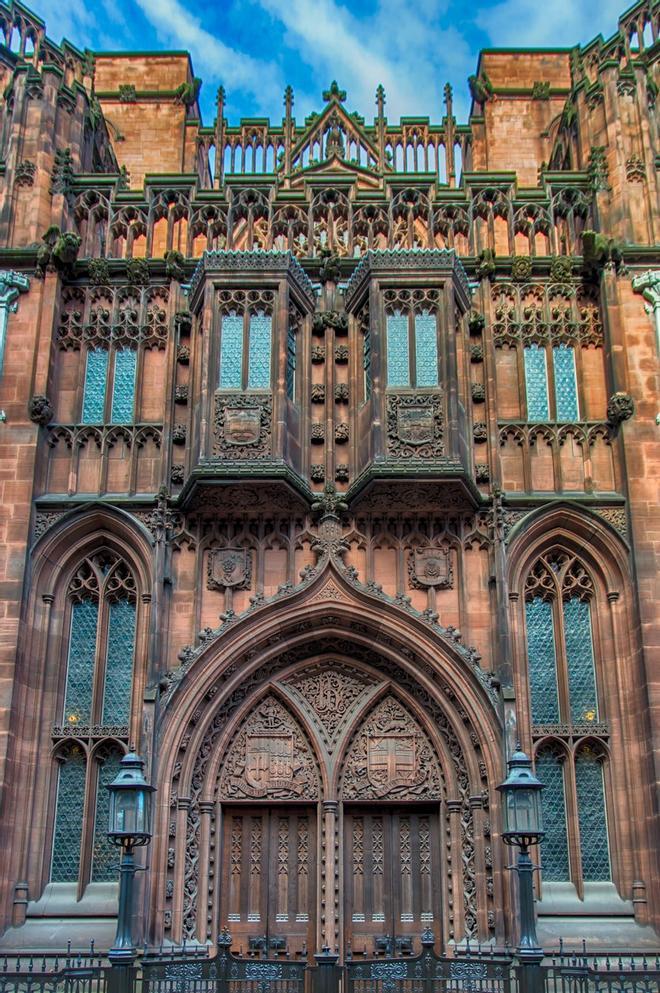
point(330, 691)
point(269, 757)
point(391, 757)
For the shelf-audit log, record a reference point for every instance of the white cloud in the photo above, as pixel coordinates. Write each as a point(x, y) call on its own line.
point(563, 23)
point(212, 59)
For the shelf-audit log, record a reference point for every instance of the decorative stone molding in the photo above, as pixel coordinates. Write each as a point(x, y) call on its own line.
point(11, 285)
point(253, 262)
point(521, 269)
point(429, 260)
point(561, 269)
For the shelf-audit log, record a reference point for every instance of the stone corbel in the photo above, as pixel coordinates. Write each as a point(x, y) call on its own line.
point(11, 285)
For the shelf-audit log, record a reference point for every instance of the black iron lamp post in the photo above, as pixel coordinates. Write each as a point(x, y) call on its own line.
point(129, 826)
point(523, 826)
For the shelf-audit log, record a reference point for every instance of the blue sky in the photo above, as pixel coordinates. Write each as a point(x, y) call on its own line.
point(255, 47)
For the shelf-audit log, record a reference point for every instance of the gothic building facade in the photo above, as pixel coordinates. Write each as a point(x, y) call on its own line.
point(329, 466)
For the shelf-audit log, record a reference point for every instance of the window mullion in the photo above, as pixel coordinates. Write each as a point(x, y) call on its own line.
point(87, 835)
point(562, 662)
point(109, 384)
point(572, 823)
point(100, 663)
point(245, 371)
point(550, 380)
point(412, 351)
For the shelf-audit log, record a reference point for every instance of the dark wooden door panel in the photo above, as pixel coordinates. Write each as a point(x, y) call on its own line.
point(391, 878)
point(268, 894)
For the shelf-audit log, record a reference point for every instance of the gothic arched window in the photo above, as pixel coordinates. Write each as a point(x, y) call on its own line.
point(564, 703)
point(92, 733)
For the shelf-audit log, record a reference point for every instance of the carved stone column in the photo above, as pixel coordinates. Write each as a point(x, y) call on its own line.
point(329, 876)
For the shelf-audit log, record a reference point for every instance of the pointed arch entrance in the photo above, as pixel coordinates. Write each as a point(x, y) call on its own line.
point(331, 792)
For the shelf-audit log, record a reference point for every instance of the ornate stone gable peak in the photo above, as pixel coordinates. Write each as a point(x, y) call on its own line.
point(269, 757)
point(407, 260)
point(391, 758)
point(255, 262)
point(334, 128)
point(331, 690)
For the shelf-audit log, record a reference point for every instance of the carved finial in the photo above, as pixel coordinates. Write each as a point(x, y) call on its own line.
point(380, 99)
point(334, 93)
point(448, 99)
point(220, 96)
point(288, 100)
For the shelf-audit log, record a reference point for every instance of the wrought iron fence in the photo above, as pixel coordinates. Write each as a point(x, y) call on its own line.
point(70, 972)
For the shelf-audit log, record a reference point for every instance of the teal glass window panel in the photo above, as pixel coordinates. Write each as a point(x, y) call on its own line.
point(123, 387)
point(81, 662)
point(566, 399)
point(542, 661)
point(119, 662)
point(259, 352)
point(592, 818)
point(555, 861)
point(65, 861)
point(398, 356)
point(291, 363)
point(231, 352)
point(104, 855)
point(96, 374)
point(580, 660)
point(536, 384)
point(426, 350)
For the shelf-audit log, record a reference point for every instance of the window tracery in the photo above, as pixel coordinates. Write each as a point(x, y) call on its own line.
point(412, 338)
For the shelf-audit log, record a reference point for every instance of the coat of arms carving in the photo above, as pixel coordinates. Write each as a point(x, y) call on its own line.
point(242, 426)
point(229, 568)
point(269, 757)
point(430, 567)
point(415, 425)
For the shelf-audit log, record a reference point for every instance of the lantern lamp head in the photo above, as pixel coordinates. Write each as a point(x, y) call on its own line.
point(521, 792)
point(129, 821)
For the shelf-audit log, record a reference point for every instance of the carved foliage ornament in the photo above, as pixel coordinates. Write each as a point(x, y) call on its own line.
point(391, 757)
point(269, 758)
point(414, 426)
point(242, 426)
point(331, 692)
point(229, 568)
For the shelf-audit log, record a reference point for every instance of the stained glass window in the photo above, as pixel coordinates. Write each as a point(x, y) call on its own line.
point(536, 384)
point(119, 662)
point(65, 862)
point(549, 770)
point(104, 855)
point(82, 658)
point(259, 352)
point(291, 363)
point(592, 818)
point(366, 362)
point(123, 388)
point(231, 352)
point(565, 383)
point(426, 349)
point(398, 359)
point(96, 370)
point(580, 661)
point(542, 661)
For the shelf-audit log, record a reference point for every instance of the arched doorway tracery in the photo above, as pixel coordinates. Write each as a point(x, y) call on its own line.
point(315, 666)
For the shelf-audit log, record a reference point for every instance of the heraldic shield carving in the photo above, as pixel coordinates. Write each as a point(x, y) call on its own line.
point(269, 757)
point(229, 568)
point(391, 757)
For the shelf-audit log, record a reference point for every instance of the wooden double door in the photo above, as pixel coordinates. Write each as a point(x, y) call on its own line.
point(391, 878)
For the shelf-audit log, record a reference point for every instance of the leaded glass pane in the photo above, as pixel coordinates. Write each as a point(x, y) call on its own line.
point(259, 352)
point(426, 350)
point(119, 662)
point(80, 668)
point(291, 363)
point(231, 352)
point(550, 771)
point(123, 388)
point(65, 862)
point(104, 856)
point(541, 661)
point(592, 818)
point(96, 371)
point(580, 659)
point(565, 383)
point(536, 384)
point(398, 358)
